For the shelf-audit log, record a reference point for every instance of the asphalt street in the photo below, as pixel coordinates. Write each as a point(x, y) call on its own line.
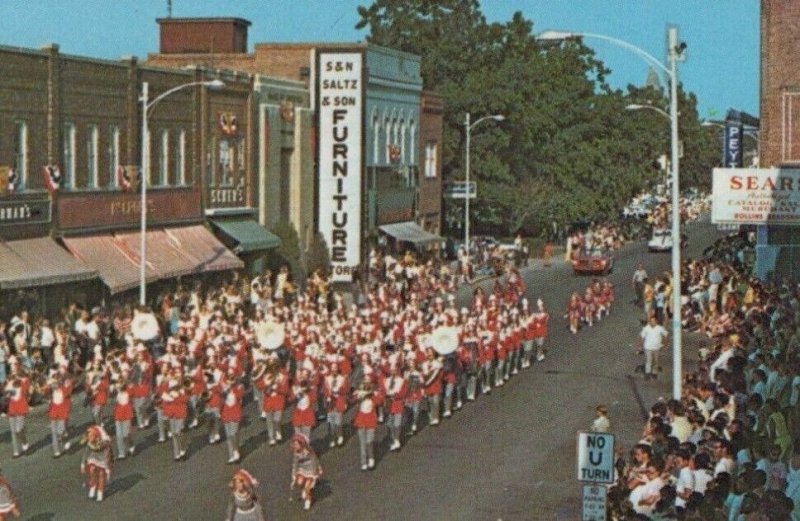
point(508, 456)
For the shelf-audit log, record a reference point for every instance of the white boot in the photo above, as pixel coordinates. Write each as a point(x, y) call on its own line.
point(99, 495)
point(92, 492)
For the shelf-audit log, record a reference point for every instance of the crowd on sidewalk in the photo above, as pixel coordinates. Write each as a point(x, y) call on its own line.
point(402, 357)
point(729, 449)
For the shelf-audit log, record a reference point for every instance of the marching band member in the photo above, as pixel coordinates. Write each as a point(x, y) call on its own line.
point(335, 389)
point(432, 382)
point(123, 417)
point(486, 358)
point(366, 420)
point(467, 354)
point(303, 418)
point(414, 393)
point(540, 320)
point(162, 387)
point(527, 322)
point(306, 469)
point(244, 501)
point(60, 390)
point(97, 389)
point(574, 312)
point(274, 386)
point(451, 371)
point(19, 389)
point(96, 461)
point(395, 390)
point(198, 380)
point(174, 406)
point(231, 414)
point(214, 376)
point(8, 501)
point(141, 379)
point(501, 349)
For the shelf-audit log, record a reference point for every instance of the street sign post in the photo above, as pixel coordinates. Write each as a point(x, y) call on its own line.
point(594, 503)
point(595, 467)
point(458, 190)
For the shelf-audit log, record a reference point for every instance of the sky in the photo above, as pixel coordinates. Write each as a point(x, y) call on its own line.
point(722, 65)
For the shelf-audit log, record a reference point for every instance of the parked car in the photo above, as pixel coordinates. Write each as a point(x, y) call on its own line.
point(661, 240)
point(597, 261)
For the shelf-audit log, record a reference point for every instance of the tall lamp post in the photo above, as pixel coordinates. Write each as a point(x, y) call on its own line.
point(147, 105)
point(675, 54)
point(468, 128)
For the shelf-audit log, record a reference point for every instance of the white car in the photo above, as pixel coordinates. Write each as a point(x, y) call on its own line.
point(661, 240)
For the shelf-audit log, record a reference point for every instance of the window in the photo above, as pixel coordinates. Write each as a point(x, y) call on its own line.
point(113, 156)
point(68, 172)
point(21, 155)
point(402, 141)
point(163, 159)
point(387, 134)
point(180, 159)
point(225, 162)
point(376, 137)
point(412, 143)
point(91, 156)
point(790, 142)
point(431, 149)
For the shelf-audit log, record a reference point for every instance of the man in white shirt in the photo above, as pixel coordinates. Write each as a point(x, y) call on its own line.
point(722, 454)
point(653, 336)
point(684, 484)
point(645, 496)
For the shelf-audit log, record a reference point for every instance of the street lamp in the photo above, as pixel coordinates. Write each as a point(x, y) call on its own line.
point(636, 106)
point(675, 53)
point(147, 105)
point(468, 128)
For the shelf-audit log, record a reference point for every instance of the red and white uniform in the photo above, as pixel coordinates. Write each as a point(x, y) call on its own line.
point(60, 401)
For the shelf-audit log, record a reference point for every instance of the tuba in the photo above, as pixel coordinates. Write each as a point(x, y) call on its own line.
point(144, 326)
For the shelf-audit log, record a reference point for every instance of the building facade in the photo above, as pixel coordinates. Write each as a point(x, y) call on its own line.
point(74, 163)
point(778, 246)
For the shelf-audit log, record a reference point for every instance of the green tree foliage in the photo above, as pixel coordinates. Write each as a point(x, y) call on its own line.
point(289, 251)
point(317, 257)
point(568, 148)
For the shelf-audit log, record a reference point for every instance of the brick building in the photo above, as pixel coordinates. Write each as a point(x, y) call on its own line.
point(81, 117)
point(778, 246)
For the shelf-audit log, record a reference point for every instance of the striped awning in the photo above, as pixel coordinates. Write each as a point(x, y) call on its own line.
point(410, 231)
point(39, 262)
point(172, 252)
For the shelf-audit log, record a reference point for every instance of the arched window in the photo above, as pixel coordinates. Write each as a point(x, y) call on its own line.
point(387, 129)
point(113, 156)
point(21, 156)
point(91, 156)
point(376, 137)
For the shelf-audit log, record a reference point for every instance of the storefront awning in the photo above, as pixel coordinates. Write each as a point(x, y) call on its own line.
point(118, 269)
point(249, 235)
point(200, 244)
point(409, 232)
point(172, 252)
point(38, 262)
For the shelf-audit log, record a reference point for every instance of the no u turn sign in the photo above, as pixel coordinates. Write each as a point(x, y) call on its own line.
point(595, 457)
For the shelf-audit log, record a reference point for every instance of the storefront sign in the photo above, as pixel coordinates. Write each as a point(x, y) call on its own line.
point(25, 212)
point(734, 133)
point(755, 196)
point(223, 197)
point(340, 94)
point(124, 209)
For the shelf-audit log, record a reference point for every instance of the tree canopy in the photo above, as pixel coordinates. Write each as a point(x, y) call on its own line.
point(568, 148)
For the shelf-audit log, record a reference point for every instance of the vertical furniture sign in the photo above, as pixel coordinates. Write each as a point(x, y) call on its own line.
point(340, 93)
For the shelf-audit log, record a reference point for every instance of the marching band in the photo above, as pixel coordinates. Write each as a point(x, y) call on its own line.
point(406, 350)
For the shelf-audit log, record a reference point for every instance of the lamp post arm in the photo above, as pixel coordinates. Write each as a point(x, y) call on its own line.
point(638, 50)
point(171, 91)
